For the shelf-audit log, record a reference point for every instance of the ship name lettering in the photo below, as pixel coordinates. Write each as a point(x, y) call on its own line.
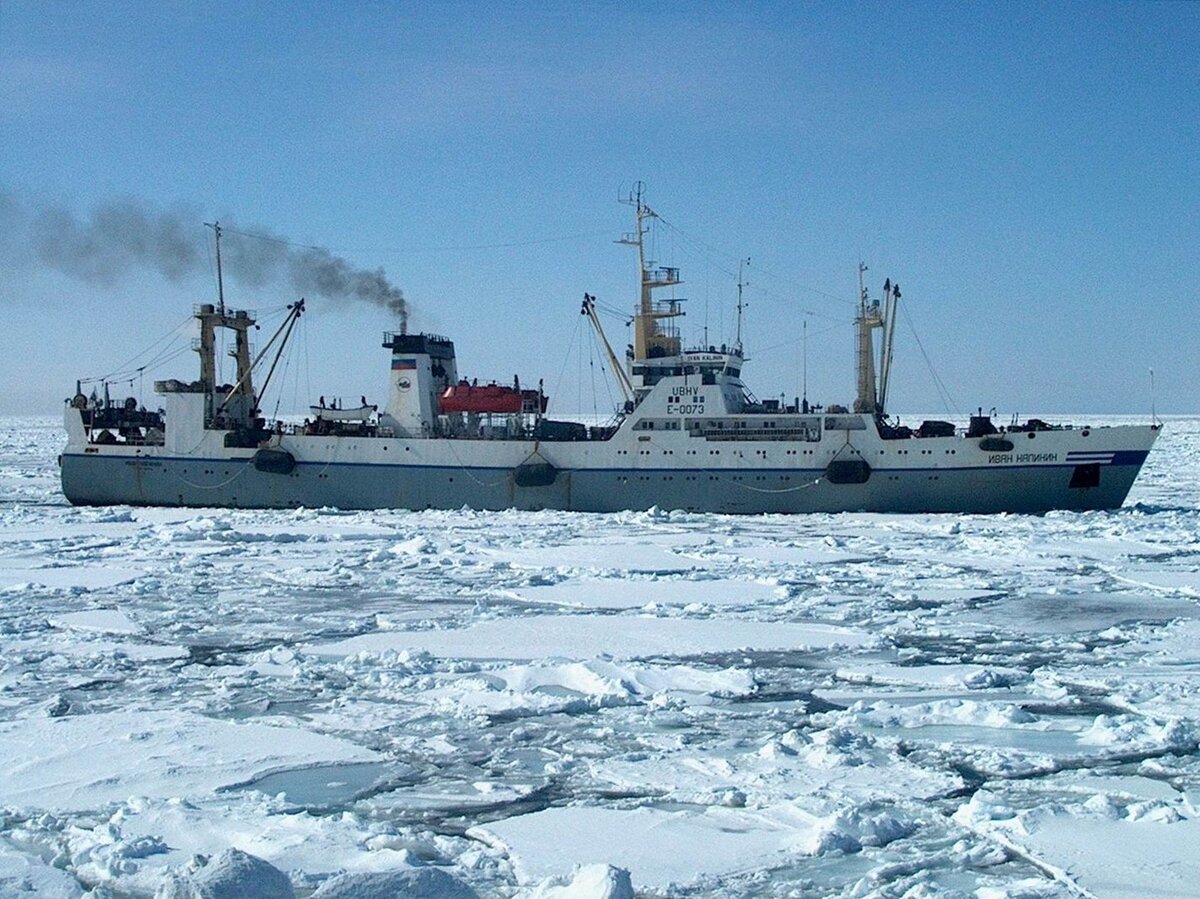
point(1020, 458)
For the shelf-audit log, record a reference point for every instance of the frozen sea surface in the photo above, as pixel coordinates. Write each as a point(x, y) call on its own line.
point(828, 705)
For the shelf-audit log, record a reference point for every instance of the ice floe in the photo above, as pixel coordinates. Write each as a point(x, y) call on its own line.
point(89, 761)
point(629, 593)
point(588, 636)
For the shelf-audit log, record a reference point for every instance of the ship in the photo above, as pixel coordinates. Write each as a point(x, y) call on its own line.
point(688, 434)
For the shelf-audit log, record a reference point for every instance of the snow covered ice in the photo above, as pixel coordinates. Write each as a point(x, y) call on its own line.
point(567, 705)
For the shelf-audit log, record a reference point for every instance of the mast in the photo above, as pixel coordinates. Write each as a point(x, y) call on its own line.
point(891, 299)
point(240, 322)
point(740, 305)
point(650, 338)
point(804, 366)
point(867, 399)
point(872, 390)
point(216, 226)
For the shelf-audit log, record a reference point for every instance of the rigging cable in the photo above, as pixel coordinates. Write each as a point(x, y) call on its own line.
point(174, 332)
point(612, 403)
point(307, 368)
point(117, 377)
point(776, 346)
point(947, 400)
point(426, 249)
point(705, 248)
point(592, 373)
point(567, 355)
point(612, 311)
point(246, 464)
point(296, 379)
point(287, 367)
point(471, 474)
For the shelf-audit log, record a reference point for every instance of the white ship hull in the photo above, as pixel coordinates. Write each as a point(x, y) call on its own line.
point(671, 470)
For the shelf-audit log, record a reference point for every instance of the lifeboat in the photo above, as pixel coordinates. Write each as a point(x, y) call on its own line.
point(335, 413)
point(496, 398)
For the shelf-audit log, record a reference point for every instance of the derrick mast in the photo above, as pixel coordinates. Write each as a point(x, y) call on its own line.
point(240, 406)
point(872, 392)
point(869, 318)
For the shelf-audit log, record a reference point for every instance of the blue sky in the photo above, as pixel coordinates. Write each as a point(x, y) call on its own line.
point(1028, 172)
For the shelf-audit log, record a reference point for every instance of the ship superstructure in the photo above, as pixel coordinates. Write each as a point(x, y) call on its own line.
point(689, 435)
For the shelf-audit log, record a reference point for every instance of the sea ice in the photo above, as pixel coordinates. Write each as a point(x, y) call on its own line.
point(1105, 848)
point(67, 577)
point(636, 558)
point(231, 875)
point(627, 593)
point(658, 848)
point(24, 874)
point(89, 761)
point(662, 849)
point(589, 636)
point(420, 883)
point(587, 882)
point(528, 705)
point(104, 621)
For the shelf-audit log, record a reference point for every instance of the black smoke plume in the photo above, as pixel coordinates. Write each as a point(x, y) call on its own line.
point(122, 236)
